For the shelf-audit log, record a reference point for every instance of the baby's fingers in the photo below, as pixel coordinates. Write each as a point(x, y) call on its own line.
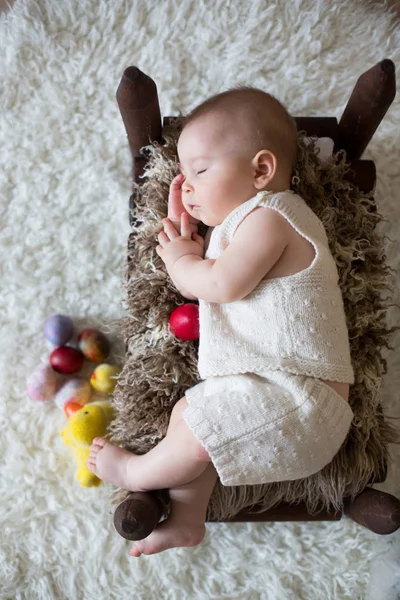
point(175, 204)
point(163, 238)
point(170, 229)
point(185, 225)
point(197, 238)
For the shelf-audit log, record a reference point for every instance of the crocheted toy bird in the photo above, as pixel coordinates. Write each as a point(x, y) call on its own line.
point(85, 424)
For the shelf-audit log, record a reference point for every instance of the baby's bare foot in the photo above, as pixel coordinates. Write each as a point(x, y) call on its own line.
point(169, 534)
point(109, 462)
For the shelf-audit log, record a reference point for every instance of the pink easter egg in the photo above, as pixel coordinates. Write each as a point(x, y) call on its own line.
point(75, 390)
point(41, 383)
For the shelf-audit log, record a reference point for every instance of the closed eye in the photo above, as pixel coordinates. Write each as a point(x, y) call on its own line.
point(198, 172)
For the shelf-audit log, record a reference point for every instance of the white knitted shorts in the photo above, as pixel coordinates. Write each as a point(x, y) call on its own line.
point(265, 427)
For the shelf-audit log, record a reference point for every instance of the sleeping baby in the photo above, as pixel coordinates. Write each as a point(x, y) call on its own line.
point(274, 353)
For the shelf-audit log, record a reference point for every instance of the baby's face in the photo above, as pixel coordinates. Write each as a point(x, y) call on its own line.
point(218, 174)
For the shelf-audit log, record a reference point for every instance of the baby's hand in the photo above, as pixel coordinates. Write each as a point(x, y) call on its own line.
point(174, 245)
point(175, 205)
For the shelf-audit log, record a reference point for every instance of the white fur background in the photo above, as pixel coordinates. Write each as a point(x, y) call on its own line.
point(64, 190)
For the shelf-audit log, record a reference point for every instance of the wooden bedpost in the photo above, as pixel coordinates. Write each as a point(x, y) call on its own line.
point(140, 111)
point(137, 516)
point(137, 100)
point(373, 94)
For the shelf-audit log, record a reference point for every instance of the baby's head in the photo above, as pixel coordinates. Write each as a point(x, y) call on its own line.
point(232, 146)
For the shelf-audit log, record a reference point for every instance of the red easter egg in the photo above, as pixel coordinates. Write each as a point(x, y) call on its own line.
point(66, 360)
point(184, 322)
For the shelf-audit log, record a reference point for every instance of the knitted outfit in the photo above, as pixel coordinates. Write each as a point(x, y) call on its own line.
point(262, 412)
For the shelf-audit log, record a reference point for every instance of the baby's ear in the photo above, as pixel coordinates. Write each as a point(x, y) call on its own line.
point(264, 164)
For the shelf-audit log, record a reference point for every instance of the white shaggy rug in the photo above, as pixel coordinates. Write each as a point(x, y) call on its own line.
point(65, 185)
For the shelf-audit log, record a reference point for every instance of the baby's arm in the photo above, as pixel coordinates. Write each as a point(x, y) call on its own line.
point(183, 292)
point(256, 247)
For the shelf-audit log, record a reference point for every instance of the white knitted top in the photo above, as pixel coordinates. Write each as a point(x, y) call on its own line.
point(294, 323)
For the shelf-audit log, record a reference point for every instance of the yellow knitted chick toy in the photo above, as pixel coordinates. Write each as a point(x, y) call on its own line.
point(83, 426)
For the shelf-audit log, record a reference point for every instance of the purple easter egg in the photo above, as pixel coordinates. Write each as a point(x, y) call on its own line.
point(41, 383)
point(59, 329)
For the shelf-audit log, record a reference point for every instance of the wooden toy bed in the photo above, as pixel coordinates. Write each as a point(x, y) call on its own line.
point(137, 98)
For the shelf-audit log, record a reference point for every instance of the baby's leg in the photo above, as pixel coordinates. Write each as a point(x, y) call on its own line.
point(189, 502)
point(175, 461)
point(185, 525)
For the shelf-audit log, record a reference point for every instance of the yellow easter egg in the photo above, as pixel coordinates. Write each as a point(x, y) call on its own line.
point(102, 378)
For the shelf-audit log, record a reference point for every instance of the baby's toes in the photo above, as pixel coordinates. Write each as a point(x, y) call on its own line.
point(136, 549)
point(91, 464)
point(92, 458)
point(97, 445)
point(92, 455)
point(93, 450)
point(101, 442)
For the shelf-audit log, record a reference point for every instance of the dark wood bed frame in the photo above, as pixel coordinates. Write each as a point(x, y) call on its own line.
point(137, 98)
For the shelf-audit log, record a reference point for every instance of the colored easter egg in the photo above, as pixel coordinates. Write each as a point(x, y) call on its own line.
point(184, 322)
point(75, 390)
point(94, 345)
point(66, 360)
point(101, 378)
point(41, 383)
point(59, 329)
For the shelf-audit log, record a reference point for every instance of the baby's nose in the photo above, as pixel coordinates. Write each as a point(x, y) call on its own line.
point(186, 187)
